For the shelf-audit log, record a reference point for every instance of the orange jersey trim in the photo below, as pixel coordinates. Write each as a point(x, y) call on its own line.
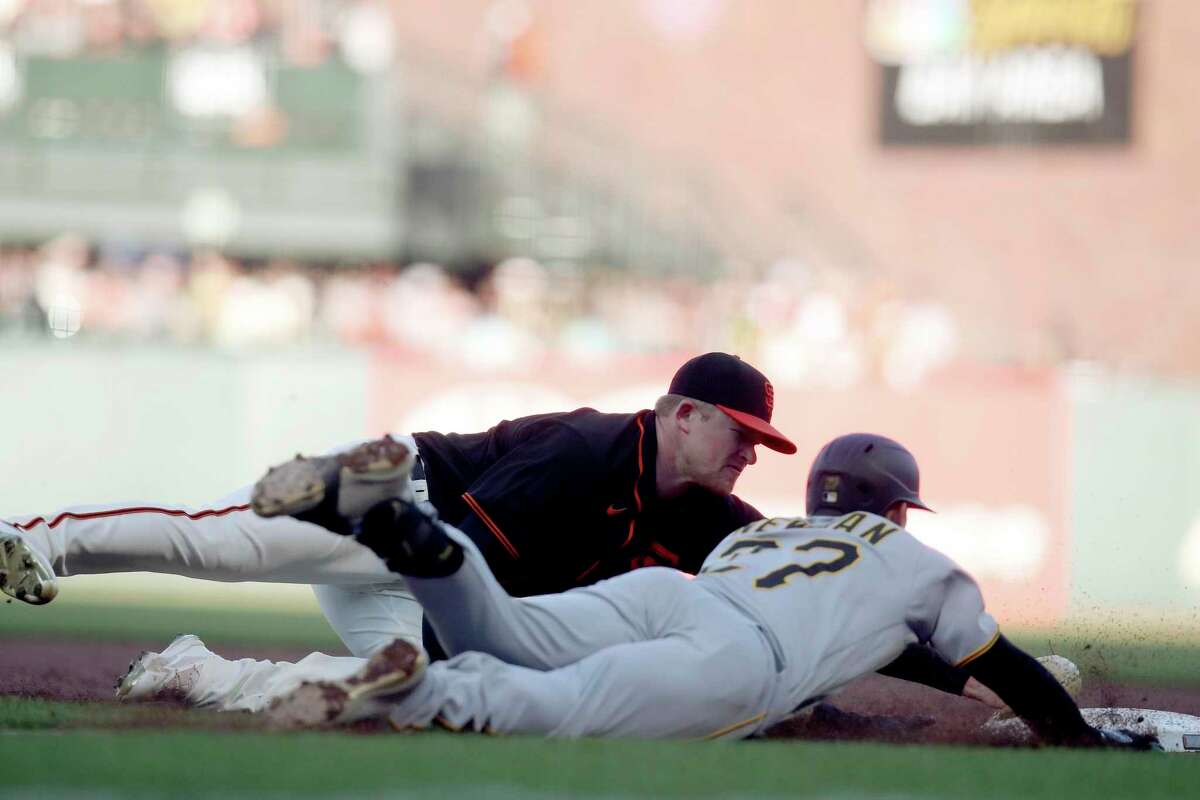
point(637, 496)
point(671, 558)
point(586, 572)
point(629, 536)
point(981, 650)
point(491, 525)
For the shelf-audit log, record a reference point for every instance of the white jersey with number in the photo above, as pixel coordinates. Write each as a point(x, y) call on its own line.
point(843, 596)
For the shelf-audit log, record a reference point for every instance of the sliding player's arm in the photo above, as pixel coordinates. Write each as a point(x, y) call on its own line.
point(919, 664)
point(1033, 694)
point(963, 633)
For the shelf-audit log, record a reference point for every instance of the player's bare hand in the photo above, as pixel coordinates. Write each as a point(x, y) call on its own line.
point(977, 691)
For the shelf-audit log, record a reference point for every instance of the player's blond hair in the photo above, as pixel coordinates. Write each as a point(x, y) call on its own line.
point(668, 403)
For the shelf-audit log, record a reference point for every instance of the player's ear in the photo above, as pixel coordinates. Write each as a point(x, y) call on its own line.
point(898, 513)
point(685, 415)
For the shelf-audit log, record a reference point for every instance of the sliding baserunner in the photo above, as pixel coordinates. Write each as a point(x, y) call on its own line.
point(783, 613)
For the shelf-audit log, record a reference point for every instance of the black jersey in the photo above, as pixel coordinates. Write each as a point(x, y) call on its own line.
point(562, 500)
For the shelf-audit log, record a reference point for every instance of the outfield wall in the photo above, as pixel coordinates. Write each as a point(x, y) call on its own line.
point(89, 424)
point(85, 423)
point(1069, 495)
point(1135, 499)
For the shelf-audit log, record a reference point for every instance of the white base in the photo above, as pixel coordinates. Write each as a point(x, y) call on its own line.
point(1178, 733)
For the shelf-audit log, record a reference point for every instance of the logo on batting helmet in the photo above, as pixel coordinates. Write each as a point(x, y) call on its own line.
point(862, 472)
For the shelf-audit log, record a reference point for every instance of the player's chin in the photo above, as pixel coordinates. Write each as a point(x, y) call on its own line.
point(723, 482)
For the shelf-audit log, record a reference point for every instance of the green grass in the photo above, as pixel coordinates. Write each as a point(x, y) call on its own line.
point(244, 764)
point(34, 714)
point(104, 749)
point(68, 618)
point(1115, 658)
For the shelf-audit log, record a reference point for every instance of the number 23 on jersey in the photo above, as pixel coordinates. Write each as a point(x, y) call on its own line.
point(823, 556)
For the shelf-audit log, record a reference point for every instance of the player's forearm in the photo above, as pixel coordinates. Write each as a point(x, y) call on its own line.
point(1033, 694)
point(922, 665)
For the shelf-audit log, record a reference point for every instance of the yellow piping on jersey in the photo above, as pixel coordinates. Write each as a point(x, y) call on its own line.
point(980, 651)
point(735, 726)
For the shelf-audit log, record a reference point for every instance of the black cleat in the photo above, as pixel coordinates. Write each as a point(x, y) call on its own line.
point(410, 541)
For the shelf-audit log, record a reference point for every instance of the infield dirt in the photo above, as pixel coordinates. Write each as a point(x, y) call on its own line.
point(87, 672)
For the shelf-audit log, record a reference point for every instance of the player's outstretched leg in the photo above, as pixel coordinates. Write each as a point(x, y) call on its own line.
point(24, 573)
point(711, 675)
point(188, 671)
point(392, 671)
point(170, 674)
point(336, 491)
point(469, 609)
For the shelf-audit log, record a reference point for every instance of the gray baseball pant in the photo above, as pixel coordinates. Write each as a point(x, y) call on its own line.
point(646, 654)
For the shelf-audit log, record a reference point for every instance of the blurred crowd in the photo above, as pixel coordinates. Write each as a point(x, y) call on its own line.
point(802, 327)
point(303, 32)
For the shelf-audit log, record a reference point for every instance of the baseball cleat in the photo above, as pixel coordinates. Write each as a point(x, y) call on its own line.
point(24, 574)
point(335, 491)
point(168, 675)
point(410, 540)
point(365, 694)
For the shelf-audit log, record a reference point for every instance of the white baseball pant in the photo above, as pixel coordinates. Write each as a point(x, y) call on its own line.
point(366, 604)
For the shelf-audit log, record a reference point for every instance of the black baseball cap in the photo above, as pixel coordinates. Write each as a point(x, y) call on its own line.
point(738, 389)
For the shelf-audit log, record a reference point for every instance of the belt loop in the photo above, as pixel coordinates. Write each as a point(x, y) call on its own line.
point(418, 482)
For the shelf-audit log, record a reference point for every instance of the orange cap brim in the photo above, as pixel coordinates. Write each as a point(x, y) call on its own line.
point(769, 435)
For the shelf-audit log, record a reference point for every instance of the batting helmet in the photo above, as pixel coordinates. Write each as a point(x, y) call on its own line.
point(862, 472)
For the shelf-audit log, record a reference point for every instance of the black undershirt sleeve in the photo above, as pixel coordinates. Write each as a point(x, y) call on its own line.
point(1033, 694)
point(921, 664)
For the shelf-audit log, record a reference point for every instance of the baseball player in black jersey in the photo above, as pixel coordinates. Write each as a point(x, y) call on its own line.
point(553, 501)
point(560, 500)
point(610, 492)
